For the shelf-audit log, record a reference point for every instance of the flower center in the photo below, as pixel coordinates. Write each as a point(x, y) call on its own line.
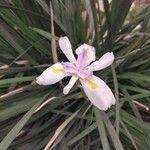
point(74, 70)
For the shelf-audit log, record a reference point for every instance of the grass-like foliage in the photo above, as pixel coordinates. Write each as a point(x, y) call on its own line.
point(32, 115)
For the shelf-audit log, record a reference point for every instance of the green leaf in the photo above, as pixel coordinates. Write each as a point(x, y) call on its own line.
point(116, 141)
point(135, 77)
point(8, 37)
point(44, 34)
point(120, 9)
point(17, 80)
point(82, 134)
point(17, 128)
point(101, 129)
point(60, 129)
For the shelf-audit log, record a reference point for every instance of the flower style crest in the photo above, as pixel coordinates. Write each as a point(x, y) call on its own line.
point(81, 68)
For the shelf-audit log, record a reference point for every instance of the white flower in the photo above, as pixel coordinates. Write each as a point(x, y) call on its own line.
point(96, 89)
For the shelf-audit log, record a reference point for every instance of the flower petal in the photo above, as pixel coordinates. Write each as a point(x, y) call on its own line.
point(51, 75)
point(105, 61)
point(65, 46)
point(89, 56)
point(69, 67)
point(98, 92)
point(71, 83)
point(83, 74)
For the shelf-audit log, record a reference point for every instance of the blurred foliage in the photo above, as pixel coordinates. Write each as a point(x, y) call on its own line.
point(26, 50)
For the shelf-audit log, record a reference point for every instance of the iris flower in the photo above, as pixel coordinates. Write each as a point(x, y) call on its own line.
point(81, 69)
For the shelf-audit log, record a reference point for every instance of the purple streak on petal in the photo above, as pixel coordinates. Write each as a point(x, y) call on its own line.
point(85, 73)
point(81, 61)
point(69, 67)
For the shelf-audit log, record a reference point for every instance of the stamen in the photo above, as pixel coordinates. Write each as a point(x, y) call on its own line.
point(92, 84)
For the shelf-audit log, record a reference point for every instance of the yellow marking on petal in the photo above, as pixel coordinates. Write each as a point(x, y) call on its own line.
point(92, 84)
point(57, 70)
point(88, 53)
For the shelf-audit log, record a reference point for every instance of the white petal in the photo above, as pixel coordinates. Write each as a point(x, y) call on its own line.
point(105, 61)
point(51, 75)
point(90, 52)
point(65, 46)
point(71, 83)
point(98, 92)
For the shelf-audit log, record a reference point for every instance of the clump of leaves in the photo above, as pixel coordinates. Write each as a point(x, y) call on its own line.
point(33, 115)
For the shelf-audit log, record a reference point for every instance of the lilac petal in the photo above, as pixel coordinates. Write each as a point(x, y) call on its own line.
point(85, 74)
point(82, 59)
point(89, 54)
point(69, 67)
